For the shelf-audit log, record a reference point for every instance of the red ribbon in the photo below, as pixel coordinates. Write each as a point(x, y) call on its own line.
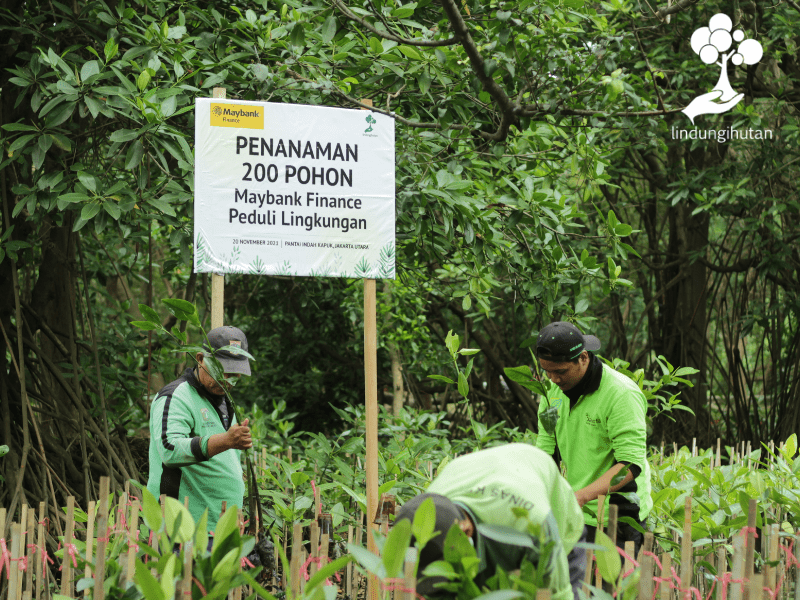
point(4, 558)
point(71, 550)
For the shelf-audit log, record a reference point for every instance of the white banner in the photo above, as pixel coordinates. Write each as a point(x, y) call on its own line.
point(288, 189)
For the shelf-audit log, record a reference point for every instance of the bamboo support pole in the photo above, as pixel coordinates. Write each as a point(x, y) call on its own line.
point(15, 581)
point(102, 541)
point(217, 281)
point(358, 542)
point(90, 518)
point(66, 573)
point(755, 587)
point(41, 572)
point(133, 540)
point(630, 550)
point(686, 546)
point(409, 581)
point(772, 556)
point(543, 594)
point(796, 571)
point(297, 546)
point(371, 391)
point(647, 564)
point(30, 546)
point(666, 576)
point(738, 567)
point(750, 537)
point(719, 456)
point(348, 571)
point(314, 566)
point(186, 580)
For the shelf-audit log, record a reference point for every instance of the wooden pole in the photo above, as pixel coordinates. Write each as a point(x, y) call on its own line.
point(217, 281)
point(686, 547)
point(66, 573)
point(133, 540)
point(666, 576)
point(90, 518)
point(738, 567)
point(41, 569)
point(371, 399)
point(102, 541)
point(15, 580)
point(646, 580)
point(31, 547)
point(750, 549)
point(295, 564)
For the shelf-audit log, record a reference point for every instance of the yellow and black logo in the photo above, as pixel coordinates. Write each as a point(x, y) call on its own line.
point(237, 115)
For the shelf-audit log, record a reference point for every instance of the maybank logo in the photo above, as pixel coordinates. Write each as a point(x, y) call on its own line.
point(237, 115)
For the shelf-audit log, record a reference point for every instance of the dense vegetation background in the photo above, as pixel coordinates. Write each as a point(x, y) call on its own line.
point(537, 178)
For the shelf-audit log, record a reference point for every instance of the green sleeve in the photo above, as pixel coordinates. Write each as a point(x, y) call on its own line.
point(627, 428)
point(171, 424)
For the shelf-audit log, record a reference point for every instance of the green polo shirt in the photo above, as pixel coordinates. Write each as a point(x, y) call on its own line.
point(490, 483)
point(603, 428)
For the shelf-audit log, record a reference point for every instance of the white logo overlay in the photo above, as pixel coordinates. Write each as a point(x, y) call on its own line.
point(716, 44)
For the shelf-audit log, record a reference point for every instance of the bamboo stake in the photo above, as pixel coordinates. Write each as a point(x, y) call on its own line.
point(738, 566)
point(90, 516)
point(30, 546)
point(587, 577)
point(772, 556)
point(719, 457)
point(666, 576)
point(313, 567)
point(66, 573)
point(694, 446)
point(543, 594)
point(15, 581)
point(359, 541)
point(630, 550)
point(751, 543)
point(186, 582)
point(686, 546)
point(647, 564)
point(756, 587)
point(797, 571)
point(409, 581)
point(41, 573)
point(102, 541)
point(133, 539)
point(297, 545)
point(348, 573)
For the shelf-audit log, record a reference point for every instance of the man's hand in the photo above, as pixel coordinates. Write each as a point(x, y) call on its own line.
point(238, 437)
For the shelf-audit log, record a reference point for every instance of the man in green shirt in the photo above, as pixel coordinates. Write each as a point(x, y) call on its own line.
point(595, 418)
point(195, 442)
point(483, 489)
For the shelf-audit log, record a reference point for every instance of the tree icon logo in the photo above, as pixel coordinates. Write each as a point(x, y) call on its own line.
point(370, 121)
point(217, 110)
point(716, 44)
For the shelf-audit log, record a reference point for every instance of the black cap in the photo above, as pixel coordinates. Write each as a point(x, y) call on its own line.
point(561, 342)
point(229, 336)
point(447, 513)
